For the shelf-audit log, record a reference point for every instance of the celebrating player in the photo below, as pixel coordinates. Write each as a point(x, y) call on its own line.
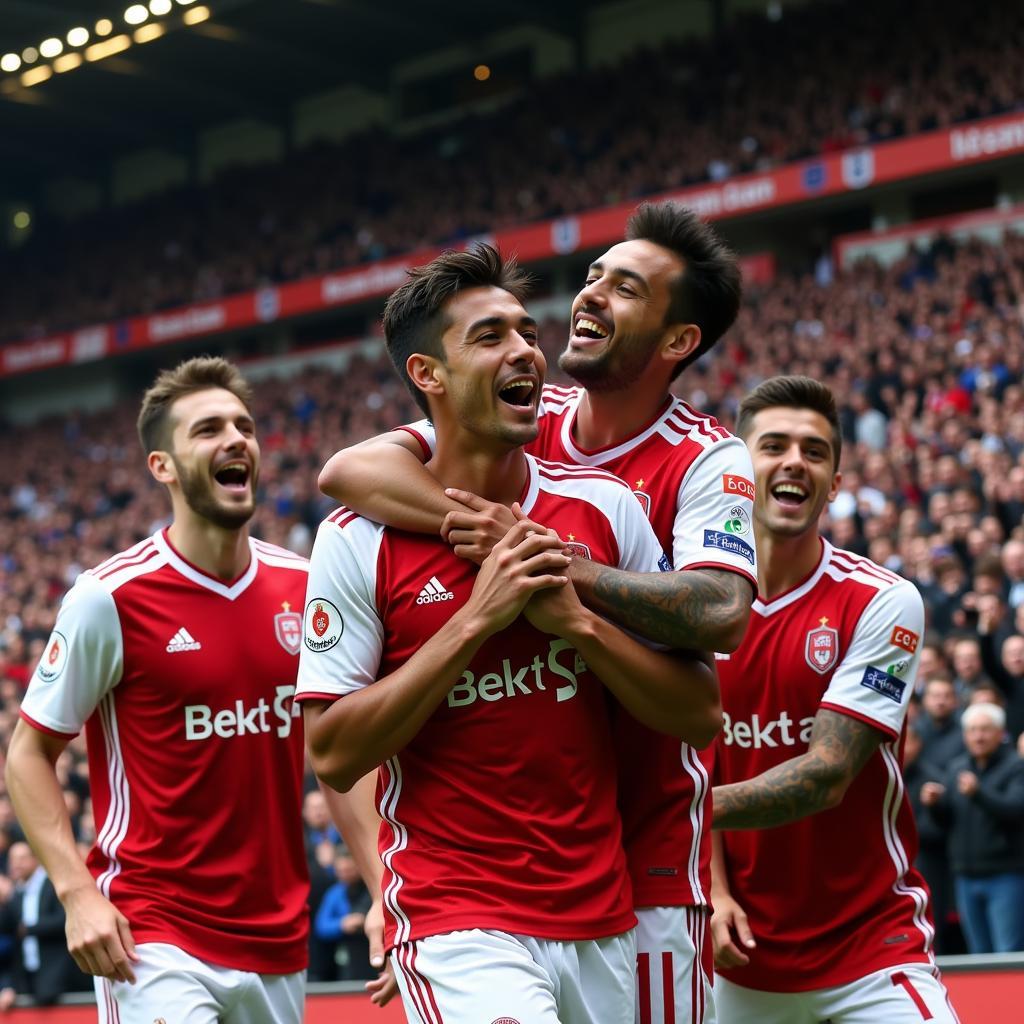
point(505, 889)
point(818, 912)
point(179, 657)
point(651, 306)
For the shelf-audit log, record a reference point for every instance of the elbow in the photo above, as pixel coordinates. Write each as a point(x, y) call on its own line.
point(337, 771)
point(331, 476)
point(733, 630)
point(834, 792)
point(703, 734)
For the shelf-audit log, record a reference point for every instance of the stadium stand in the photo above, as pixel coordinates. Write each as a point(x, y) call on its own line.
point(690, 112)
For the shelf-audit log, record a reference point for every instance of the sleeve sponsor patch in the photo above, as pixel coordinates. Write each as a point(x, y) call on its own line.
point(664, 564)
point(54, 658)
point(729, 544)
point(323, 625)
point(733, 484)
point(882, 682)
point(904, 638)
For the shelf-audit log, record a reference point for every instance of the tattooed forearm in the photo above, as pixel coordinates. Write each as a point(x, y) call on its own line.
point(839, 748)
point(704, 609)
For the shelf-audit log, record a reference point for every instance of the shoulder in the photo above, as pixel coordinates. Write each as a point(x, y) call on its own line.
point(684, 423)
point(855, 570)
point(556, 399)
point(345, 534)
point(580, 482)
point(278, 557)
point(141, 560)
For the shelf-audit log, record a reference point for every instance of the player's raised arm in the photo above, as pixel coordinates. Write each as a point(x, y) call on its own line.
point(705, 604)
point(695, 608)
point(864, 705)
point(383, 479)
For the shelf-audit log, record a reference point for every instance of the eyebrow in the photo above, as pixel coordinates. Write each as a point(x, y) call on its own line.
point(812, 438)
point(498, 321)
point(632, 275)
point(199, 424)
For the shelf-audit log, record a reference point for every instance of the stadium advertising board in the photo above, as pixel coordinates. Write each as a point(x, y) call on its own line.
point(830, 174)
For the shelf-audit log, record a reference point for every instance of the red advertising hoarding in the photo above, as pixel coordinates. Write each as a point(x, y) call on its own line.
point(830, 174)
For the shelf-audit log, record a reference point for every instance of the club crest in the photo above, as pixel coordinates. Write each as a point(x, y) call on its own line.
point(288, 630)
point(822, 648)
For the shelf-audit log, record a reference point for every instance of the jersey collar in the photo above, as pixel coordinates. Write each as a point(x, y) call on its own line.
point(602, 455)
point(787, 597)
point(196, 575)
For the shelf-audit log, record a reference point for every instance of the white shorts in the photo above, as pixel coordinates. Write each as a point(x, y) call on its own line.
point(175, 987)
point(492, 977)
point(674, 966)
point(897, 995)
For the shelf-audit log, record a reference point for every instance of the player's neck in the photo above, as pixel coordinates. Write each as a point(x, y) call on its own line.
point(223, 554)
point(606, 418)
point(783, 562)
point(495, 476)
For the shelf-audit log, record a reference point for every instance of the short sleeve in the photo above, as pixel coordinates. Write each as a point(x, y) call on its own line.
point(714, 525)
point(342, 636)
point(423, 431)
point(875, 679)
point(82, 661)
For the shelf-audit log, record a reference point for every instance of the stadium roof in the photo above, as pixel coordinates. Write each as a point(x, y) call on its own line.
point(252, 58)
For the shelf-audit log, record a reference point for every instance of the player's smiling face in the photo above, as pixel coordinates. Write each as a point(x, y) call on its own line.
point(216, 456)
point(794, 469)
point(618, 318)
point(491, 378)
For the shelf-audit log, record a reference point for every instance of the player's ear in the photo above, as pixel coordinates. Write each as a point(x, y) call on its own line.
point(161, 465)
point(837, 481)
point(426, 373)
point(681, 342)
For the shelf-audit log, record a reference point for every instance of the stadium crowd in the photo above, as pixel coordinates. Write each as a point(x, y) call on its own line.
point(926, 357)
point(732, 107)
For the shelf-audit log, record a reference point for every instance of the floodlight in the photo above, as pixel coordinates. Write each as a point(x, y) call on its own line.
point(160, 6)
point(78, 37)
point(68, 62)
point(51, 47)
point(136, 14)
point(30, 55)
point(10, 62)
point(147, 33)
point(36, 75)
point(194, 15)
point(104, 27)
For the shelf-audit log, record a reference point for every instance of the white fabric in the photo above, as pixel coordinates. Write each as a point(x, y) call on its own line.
point(469, 977)
point(876, 678)
point(173, 986)
point(879, 998)
point(670, 940)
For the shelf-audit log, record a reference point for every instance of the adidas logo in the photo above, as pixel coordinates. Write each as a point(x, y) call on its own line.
point(434, 591)
point(183, 640)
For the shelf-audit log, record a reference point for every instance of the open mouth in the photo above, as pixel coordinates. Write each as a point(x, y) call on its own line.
point(233, 476)
point(519, 393)
point(588, 328)
point(790, 494)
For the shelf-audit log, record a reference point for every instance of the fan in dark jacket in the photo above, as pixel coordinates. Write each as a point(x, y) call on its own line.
point(982, 801)
point(42, 966)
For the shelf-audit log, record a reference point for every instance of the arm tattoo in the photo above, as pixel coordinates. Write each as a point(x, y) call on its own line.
point(703, 609)
point(839, 748)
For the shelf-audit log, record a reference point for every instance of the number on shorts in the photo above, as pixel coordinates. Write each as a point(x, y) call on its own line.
point(899, 978)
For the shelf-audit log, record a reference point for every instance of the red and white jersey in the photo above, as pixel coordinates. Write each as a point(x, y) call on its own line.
point(833, 897)
point(501, 813)
point(184, 684)
point(694, 480)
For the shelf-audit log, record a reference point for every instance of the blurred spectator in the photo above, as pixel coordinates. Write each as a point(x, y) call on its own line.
point(33, 915)
point(340, 918)
point(982, 800)
point(968, 670)
point(316, 819)
point(939, 722)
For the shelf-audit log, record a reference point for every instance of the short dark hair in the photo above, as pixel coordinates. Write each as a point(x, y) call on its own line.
point(792, 392)
point(198, 374)
point(413, 318)
point(709, 290)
